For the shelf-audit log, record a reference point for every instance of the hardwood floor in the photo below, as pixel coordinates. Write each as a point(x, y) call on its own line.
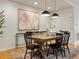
point(5, 55)
point(77, 57)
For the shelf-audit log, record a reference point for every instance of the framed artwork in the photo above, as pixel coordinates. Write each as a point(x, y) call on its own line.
point(28, 20)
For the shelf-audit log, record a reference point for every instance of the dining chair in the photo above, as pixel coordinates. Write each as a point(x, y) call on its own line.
point(29, 44)
point(57, 46)
point(65, 42)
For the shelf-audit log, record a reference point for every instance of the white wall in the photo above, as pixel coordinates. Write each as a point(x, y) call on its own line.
point(65, 22)
point(76, 25)
point(75, 4)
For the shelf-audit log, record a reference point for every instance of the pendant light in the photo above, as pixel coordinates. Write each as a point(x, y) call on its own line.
point(45, 12)
point(55, 15)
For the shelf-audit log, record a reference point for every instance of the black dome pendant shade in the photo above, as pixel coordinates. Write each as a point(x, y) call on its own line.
point(45, 13)
point(55, 15)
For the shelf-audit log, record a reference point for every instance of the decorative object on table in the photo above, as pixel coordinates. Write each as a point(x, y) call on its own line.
point(55, 15)
point(28, 20)
point(45, 12)
point(2, 20)
point(51, 27)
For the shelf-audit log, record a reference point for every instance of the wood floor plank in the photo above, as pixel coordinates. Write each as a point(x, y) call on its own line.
point(4, 55)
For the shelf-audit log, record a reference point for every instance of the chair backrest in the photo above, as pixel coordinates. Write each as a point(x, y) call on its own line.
point(28, 41)
point(64, 31)
point(66, 37)
point(59, 38)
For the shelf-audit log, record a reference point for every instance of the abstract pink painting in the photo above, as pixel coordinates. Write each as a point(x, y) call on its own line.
point(28, 20)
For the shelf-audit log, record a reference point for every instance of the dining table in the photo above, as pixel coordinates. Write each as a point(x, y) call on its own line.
point(41, 39)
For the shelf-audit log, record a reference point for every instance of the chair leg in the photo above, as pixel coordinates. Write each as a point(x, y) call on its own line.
point(31, 54)
point(64, 52)
point(40, 54)
point(56, 54)
point(25, 54)
point(61, 52)
point(68, 49)
point(48, 51)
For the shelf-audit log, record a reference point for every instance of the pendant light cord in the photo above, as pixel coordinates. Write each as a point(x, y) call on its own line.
point(55, 15)
point(55, 5)
point(45, 4)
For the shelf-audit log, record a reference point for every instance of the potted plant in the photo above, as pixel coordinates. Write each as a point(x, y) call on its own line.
point(1, 21)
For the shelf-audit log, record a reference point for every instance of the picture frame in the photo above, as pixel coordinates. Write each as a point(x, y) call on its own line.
point(27, 20)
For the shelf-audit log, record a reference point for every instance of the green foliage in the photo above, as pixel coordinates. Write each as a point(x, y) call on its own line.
point(2, 20)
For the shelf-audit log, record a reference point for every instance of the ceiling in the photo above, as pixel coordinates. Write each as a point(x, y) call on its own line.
point(60, 4)
point(73, 2)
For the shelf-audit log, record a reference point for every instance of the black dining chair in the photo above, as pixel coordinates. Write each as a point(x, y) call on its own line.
point(57, 46)
point(29, 44)
point(65, 42)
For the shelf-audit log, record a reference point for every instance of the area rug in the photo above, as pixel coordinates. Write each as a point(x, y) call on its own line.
point(18, 53)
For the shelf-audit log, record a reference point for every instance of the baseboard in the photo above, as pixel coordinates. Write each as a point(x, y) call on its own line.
point(5, 49)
